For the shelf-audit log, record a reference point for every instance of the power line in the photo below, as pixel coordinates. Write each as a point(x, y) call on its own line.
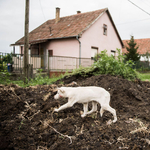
point(49, 28)
point(42, 10)
point(139, 7)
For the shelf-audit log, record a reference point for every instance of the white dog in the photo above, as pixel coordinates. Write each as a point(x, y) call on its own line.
point(84, 95)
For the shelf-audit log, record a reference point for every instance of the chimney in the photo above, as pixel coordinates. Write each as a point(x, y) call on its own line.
point(57, 15)
point(78, 12)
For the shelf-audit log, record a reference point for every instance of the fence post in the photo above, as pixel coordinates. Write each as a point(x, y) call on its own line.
point(30, 71)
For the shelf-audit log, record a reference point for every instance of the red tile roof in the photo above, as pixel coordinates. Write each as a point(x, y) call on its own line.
point(70, 26)
point(144, 45)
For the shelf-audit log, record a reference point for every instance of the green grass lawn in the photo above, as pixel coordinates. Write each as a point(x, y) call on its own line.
point(144, 76)
point(39, 80)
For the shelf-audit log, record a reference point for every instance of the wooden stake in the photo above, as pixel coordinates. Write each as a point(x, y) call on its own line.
point(26, 42)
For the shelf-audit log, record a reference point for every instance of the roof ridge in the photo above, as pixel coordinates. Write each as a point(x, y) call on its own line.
point(77, 14)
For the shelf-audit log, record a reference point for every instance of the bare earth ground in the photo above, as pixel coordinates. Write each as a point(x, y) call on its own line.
point(27, 121)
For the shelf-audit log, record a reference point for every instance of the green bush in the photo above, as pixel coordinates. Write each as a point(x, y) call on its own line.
point(4, 60)
point(105, 64)
point(114, 66)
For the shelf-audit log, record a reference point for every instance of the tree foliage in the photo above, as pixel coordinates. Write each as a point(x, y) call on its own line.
point(132, 53)
point(4, 60)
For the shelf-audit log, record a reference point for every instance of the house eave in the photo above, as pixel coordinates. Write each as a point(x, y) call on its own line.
point(67, 37)
point(44, 40)
point(115, 28)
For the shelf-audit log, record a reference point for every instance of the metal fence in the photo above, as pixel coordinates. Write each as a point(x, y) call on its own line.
point(18, 62)
point(59, 63)
point(14, 62)
point(45, 62)
point(142, 65)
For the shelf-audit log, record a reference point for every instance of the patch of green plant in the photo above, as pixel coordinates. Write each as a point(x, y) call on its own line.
point(4, 76)
point(114, 66)
point(105, 64)
point(144, 76)
point(21, 123)
point(83, 71)
point(61, 82)
point(38, 80)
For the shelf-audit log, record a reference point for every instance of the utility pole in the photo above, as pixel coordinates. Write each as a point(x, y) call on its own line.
point(26, 42)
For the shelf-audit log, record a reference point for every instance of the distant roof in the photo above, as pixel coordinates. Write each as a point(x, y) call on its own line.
point(67, 27)
point(144, 45)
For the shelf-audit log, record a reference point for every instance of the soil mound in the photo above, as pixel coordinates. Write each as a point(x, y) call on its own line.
point(27, 120)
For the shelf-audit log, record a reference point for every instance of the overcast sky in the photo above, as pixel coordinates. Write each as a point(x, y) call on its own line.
point(128, 19)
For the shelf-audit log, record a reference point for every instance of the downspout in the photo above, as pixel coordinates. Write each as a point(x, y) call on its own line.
point(77, 37)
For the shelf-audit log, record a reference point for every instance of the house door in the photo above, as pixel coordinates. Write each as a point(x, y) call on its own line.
point(42, 58)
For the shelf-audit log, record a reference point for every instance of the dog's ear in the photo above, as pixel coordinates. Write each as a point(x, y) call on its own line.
point(61, 90)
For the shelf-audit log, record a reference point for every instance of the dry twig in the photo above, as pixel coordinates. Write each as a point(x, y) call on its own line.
point(41, 148)
point(12, 89)
point(70, 137)
point(46, 97)
point(142, 128)
point(31, 117)
point(81, 132)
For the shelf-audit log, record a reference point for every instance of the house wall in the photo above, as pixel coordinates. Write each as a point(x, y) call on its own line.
point(64, 47)
point(93, 37)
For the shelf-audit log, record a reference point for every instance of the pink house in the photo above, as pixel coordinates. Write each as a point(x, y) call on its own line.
point(81, 35)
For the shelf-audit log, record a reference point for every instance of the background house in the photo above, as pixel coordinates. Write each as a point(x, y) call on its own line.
point(81, 35)
point(143, 44)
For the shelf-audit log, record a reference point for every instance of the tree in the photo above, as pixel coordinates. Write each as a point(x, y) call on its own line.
point(132, 53)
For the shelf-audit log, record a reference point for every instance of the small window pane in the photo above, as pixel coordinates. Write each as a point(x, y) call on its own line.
point(105, 29)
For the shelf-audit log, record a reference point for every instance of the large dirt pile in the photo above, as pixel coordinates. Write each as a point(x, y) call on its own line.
point(27, 120)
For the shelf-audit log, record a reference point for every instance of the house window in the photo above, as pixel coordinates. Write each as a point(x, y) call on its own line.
point(50, 52)
point(113, 52)
point(104, 29)
point(94, 51)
